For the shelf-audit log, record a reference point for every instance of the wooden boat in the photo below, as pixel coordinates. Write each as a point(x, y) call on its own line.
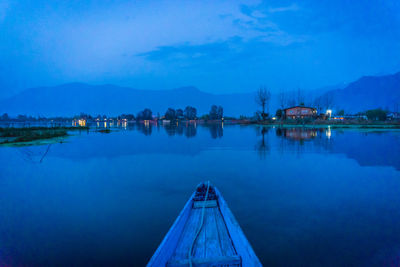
point(205, 234)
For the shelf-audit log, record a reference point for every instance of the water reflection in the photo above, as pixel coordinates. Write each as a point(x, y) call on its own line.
point(187, 129)
point(216, 130)
point(298, 134)
point(144, 128)
point(190, 130)
point(368, 148)
point(302, 140)
point(262, 145)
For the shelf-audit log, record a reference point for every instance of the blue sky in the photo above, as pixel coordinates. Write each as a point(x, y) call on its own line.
point(218, 46)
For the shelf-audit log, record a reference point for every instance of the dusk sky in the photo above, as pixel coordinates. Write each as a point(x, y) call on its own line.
point(217, 46)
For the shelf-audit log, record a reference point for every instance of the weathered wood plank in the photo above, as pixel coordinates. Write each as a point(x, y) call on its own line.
point(213, 246)
point(208, 243)
point(187, 235)
point(199, 248)
point(215, 262)
point(227, 247)
point(208, 204)
point(242, 245)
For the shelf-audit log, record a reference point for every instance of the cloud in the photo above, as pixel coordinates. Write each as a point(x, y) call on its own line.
point(292, 7)
point(216, 51)
point(223, 53)
point(92, 41)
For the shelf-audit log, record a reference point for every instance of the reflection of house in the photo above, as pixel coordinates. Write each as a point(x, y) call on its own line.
point(299, 134)
point(299, 112)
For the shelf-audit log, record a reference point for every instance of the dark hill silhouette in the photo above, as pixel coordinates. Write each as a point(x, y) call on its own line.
point(73, 98)
point(368, 92)
point(69, 99)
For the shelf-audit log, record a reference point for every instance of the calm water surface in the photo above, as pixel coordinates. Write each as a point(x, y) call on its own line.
point(315, 197)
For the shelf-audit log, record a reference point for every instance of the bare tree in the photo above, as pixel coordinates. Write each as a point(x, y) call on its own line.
point(318, 104)
point(309, 100)
point(300, 97)
point(327, 101)
point(262, 146)
point(291, 99)
point(262, 99)
point(282, 99)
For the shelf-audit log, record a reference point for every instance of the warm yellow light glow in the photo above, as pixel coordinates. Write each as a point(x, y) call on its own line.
point(82, 122)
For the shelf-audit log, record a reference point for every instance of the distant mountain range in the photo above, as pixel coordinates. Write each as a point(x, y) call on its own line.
point(73, 98)
point(368, 92)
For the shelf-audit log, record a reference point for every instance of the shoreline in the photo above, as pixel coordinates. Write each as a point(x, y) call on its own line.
point(320, 124)
point(35, 135)
point(334, 126)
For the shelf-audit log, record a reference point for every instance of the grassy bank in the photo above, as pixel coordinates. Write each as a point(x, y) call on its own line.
point(354, 124)
point(29, 134)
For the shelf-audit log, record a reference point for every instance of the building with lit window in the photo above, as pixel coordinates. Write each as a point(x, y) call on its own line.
point(300, 112)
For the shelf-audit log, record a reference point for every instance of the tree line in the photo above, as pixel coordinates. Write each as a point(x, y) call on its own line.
point(189, 113)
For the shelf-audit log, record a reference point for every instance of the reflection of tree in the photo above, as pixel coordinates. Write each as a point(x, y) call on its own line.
point(27, 154)
point(144, 128)
point(279, 132)
point(190, 130)
point(216, 130)
point(34, 155)
point(262, 146)
point(172, 129)
point(179, 129)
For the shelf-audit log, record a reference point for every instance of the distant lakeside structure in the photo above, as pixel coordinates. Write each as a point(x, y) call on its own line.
point(300, 112)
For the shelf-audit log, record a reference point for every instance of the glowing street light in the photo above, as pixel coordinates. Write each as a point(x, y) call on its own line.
point(328, 112)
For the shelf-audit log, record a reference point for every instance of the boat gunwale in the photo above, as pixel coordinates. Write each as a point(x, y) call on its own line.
point(241, 244)
point(166, 239)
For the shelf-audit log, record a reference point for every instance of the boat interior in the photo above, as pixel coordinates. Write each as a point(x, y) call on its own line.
point(205, 239)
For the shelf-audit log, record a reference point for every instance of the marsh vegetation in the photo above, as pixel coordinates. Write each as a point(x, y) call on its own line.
point(28, 134)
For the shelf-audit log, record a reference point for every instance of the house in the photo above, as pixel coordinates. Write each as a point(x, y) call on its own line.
point(300, 112)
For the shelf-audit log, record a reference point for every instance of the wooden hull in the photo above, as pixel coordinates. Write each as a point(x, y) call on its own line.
point(205, 234)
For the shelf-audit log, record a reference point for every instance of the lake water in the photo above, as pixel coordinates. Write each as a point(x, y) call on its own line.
point(303, 197)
